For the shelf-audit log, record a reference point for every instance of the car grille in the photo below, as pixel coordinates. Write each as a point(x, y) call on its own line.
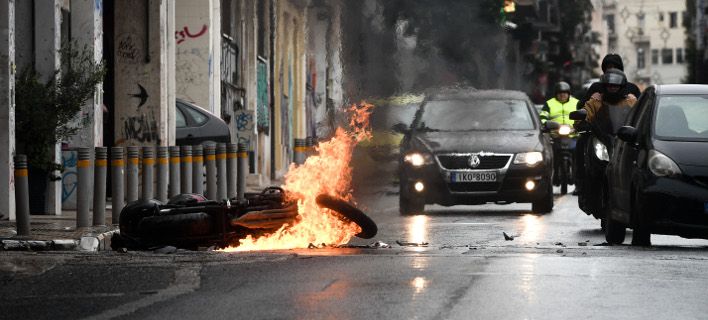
point(473, 186)
point(456, 162)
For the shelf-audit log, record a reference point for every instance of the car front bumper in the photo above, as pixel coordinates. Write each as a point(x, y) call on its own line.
point(509, 187)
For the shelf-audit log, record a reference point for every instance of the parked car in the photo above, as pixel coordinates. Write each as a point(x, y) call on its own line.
point(658, 173)
point(473, 147)
point(197, 126)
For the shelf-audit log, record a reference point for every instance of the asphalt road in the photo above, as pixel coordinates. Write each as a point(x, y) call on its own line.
point(557, 267)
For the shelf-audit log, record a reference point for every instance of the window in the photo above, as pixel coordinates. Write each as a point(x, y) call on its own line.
point(641, 63)
point(610, 23)
point(181, 121)
point(198, 117)
point(679, 55)
point(667, 56)
point(654, 56)
point(673, 19)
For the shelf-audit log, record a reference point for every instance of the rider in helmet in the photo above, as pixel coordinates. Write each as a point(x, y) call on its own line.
point(611, 110)
point(558, 108)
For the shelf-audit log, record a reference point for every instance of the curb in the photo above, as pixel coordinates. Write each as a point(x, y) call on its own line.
point(88, 243)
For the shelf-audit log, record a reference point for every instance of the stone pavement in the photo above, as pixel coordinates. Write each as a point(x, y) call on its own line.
point(57, 232)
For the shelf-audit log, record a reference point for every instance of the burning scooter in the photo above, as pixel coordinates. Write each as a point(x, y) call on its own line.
point(190, 220)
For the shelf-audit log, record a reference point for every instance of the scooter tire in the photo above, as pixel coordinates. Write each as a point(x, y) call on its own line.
point(350, 213)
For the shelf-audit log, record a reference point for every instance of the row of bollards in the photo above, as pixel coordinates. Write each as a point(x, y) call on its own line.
point(165, 172)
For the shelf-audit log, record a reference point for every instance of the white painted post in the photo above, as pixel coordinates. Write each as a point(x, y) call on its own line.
point(7, 109)
point(87, 31)
point(47, 37)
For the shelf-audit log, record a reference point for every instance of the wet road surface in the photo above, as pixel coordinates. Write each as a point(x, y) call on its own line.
point(556, 267)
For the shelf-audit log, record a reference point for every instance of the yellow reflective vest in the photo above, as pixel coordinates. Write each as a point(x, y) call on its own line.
point(559, 112)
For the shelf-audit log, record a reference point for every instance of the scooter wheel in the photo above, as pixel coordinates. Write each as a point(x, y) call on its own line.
point(347, 212)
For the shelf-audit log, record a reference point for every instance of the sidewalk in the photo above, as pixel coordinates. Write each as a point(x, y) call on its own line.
point(51, 232)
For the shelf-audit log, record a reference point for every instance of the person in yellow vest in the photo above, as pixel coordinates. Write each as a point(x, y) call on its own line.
point(558, 108)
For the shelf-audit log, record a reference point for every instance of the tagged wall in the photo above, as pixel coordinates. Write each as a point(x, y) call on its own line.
point(142, 107)
point(198, 50)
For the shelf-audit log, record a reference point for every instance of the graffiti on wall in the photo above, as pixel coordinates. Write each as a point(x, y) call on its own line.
point(142, 128)
point(185, 34)
point(142, 95)
point(128, 49)
point(244, 120)
point(69, 179)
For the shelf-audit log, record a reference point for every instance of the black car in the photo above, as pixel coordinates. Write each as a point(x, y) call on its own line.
point(197, 126)
point(473, 147)
point(658, 172)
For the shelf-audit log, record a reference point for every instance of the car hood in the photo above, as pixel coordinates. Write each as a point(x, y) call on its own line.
point(477, 141)
point(689, 153)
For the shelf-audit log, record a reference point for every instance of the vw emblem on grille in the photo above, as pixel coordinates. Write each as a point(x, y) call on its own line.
point(474, 161)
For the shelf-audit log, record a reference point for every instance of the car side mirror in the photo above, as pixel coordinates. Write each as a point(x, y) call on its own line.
point(400, 128)
point(578, 115)
point(550, 126)
point(628, 134)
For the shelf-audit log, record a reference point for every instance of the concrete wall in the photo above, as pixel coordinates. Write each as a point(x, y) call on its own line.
point(143, 110)
point(198, 52)
point(7, 109)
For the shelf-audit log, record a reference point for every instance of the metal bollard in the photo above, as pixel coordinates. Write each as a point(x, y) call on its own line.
point(83, 188)
point(99, 186)
point(148, 173)
point(221, 171)
point(299, 151)
point(186, 169)
point(132, 174)
point(198, 169)
point(22, 196)
point(117, 187)
point(309, 147)
point(162, 172)
point(210, 160)
point(231, 169)
point(174, 172)
point(242, 170)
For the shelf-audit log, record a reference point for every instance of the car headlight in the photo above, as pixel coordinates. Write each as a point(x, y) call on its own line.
point(418, 159)
point(528, 158)
point(662, 166)
point(564, 130)
point(600, 150)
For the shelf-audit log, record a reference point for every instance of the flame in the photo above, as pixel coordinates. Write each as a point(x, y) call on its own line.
point(328, 172)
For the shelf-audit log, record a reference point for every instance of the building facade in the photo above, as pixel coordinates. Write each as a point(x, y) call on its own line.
point(266, 67)
point(649, 36)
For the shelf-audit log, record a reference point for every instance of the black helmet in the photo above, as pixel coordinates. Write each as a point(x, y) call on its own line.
point(615, 77)
point(562, 86)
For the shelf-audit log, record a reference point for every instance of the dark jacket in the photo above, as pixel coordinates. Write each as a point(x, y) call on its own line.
point(615, 61)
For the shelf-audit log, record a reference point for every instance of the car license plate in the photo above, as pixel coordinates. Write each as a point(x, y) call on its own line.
point(485, 176)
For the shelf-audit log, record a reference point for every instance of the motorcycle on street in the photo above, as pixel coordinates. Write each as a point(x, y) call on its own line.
point(563, 148)
point(595, 152)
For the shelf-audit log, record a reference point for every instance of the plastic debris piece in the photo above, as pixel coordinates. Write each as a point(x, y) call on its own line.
point(507, 237)
point(411, 244)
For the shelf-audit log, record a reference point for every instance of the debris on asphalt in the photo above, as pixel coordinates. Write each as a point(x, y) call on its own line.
point(507, 237)
point(583, 244)
point(559, 244)
point(559, 251)
point(411, 244)
point(379, 244)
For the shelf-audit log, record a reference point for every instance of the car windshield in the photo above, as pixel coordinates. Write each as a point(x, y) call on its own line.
point(683, 117)
point(475, 114)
